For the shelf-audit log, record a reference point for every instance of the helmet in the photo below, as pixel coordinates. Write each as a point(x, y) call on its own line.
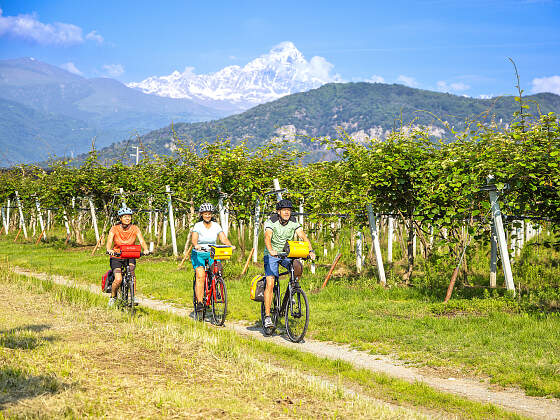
point(206, 207)
point(284, 204)
point(124, 210)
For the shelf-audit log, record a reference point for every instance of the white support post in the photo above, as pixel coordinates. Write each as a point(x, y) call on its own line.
point(359, 247)
point(431, 235)
point(300, 217)
point(512, 239)
point(502, 244)
point(94, 219)
point(156, 223)
point(520, 238)
point(223, 215)
point(376, 246)
point(66, 224)
point(40, 216)
point(277, 188)
point(256, 230)
point(493, 256)
point(164, 239)
point(150, 217)
point(414, 242)
point(5, 223)
point(390, 229)
point(332, 235)
point(171, 220)
point(8, 214)
point(123, 200)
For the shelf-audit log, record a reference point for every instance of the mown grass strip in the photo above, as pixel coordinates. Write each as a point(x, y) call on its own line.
point(228, 343)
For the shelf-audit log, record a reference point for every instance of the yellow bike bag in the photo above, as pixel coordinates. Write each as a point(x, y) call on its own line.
point(221, 252)
point(258, 284)
point(296, 249)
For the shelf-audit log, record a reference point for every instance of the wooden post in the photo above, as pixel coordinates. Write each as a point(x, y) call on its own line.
point(17, 236)
point(390, 229)
point(21, 218)
point(376, 246)
point(493, 256)
point(335, 262)
point(359, 256)
point(256, 227)
point(171, 220)
point(502, 244)
point(247, 262)
point(94, 219)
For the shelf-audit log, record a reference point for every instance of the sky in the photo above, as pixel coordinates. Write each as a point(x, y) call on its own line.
point(461, 47)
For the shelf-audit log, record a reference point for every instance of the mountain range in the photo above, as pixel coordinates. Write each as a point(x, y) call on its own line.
point(47, 110)
point(282, 71)
point(361, 110)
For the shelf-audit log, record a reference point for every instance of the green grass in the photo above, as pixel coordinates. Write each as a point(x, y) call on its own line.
point(499, 338)
point(73, 381)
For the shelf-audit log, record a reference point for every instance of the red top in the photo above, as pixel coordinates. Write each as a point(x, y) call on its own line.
point(123, 236)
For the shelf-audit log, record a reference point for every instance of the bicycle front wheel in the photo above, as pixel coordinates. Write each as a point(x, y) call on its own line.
point(219, 301)
point(297, 315)
point(131, 303)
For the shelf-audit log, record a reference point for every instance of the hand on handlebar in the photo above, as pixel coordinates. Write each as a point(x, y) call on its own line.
point(111, 253)
point(144, 253)
point(273, 253)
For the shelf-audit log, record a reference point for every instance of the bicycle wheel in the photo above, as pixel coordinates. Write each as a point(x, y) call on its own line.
point(131, 305)
point(274, 309)
point(297, 315)
point(219, 301)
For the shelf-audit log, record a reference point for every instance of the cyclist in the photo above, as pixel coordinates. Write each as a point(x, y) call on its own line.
point(123, 233)
point(278, 229)
point(205, 232)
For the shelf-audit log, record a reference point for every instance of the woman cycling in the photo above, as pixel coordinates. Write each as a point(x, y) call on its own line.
point(206, 231)
point(123, 233)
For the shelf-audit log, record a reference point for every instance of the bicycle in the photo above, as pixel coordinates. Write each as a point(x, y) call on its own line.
point(294, 307)
point(215, 291)
point(125, 295)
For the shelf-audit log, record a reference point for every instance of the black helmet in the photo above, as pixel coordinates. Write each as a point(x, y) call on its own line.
point(284, 204)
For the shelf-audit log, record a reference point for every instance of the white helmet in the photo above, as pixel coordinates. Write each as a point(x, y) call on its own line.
point(206, 207)
point(124, 210)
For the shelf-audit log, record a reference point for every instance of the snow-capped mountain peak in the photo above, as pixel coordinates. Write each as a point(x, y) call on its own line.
point(282, 71)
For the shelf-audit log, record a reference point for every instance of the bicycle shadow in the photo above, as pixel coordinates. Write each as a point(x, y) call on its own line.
point(25, 337)
point(17, 384)
point(280, 332)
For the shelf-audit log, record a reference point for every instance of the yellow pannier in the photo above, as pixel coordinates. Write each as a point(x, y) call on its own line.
point(256, 291)
point(297, 249)
point(221, 252)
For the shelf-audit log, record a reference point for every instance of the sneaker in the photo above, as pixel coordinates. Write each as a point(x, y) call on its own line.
point(112, 302)
point(268, 322)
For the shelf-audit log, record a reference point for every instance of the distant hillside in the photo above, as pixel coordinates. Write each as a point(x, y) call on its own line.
point(360, 109)
point(102, 107)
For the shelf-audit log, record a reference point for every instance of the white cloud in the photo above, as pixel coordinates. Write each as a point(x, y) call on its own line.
point(29, 28)
point(113, 70)
point(443, 86)
point(407, 80)
point(375, 79)
point(485, 96)
point(71, 67)
point(316, 68)
point(94, 36)
point(546, 84)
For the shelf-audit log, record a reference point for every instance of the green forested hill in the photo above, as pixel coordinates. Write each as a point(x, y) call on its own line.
point(352, 107)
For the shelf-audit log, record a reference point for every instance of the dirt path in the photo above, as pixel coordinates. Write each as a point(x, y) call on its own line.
point(510, 399)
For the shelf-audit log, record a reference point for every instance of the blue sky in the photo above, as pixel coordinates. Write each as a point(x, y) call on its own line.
point(456, 46)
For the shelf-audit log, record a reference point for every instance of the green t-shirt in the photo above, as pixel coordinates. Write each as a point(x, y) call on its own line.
point(280, 233)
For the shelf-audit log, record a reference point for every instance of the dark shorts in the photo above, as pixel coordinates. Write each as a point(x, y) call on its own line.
point(118, 263)
point(271, 265)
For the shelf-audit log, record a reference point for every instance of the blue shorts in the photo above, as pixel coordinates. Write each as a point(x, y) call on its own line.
point(271, 265)
point(198, 258)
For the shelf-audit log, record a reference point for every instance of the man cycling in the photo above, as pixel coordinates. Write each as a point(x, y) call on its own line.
point(123, 233)
point(205, 232)
point(278, 229)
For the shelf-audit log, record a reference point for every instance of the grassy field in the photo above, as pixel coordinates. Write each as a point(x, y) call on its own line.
point(489, 336)
point(64, 354)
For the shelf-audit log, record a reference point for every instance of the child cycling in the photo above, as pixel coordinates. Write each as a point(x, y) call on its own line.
point(205, 232)
point(278, 229)
point(123, 233)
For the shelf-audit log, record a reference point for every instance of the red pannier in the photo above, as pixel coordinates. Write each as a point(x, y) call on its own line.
point(130, 251)
point(107, 281)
